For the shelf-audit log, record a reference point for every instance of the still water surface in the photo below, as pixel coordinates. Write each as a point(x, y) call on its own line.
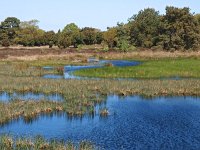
point(7, 97)
point(133, 123)
point(69, 70)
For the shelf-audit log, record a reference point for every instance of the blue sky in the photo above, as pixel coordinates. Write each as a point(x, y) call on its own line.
point(55, 14)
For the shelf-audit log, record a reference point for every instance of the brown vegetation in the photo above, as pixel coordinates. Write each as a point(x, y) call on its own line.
point(37, 53)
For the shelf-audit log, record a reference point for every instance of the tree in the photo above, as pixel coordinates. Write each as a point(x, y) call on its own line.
point(99, 37)
point(110, 37)
point(179, 29)
point(123, 36)
point(9, 26)
point(30, 36)
point(4, 39)
point(49, 38)
point(10, 23)
point(197, 17)
point(28, 24)
point(144, 28)
point(89, 35)
point(70, 36)
point(64, 40)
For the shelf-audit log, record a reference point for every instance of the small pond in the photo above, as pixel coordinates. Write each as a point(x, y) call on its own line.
point(133, 123)
point(6, 97)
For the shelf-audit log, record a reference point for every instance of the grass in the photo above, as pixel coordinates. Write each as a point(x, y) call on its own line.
point(81, 96)
point(26, 109)
point(164, 68)
point(39, 143)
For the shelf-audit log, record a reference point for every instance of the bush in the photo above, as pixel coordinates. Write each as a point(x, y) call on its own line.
point(123, 45)
point(80, 47)
point(105, 48)
point(155, 48)
point(132, 48)
point(5, 43)
point(51, 44)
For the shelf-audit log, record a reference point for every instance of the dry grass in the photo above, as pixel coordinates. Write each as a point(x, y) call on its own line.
point(79, 57)
point(38, 143)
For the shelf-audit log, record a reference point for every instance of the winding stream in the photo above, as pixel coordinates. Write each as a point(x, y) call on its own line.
point(69, 70)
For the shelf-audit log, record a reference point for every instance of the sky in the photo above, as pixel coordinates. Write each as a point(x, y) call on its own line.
point(55, 14)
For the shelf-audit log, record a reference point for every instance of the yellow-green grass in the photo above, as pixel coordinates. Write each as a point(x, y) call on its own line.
point(162, 68)
point(7, 142)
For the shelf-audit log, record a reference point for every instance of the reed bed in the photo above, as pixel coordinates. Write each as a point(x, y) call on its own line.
point(83, 90)
point(26, 109)
point(39, 143)
point(30, 110)
point(80, 96)
point(24, 69)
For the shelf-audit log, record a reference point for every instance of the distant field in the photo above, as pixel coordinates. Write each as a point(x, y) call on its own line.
point(44, 53)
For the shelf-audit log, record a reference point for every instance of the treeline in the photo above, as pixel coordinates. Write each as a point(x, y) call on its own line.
point(177, 29)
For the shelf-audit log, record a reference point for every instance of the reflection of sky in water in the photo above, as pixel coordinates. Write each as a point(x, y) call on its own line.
point(68, 70)
point(133, 123)
point(6, 97)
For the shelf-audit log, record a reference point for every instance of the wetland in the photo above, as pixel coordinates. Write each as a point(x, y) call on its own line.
point(118, 112)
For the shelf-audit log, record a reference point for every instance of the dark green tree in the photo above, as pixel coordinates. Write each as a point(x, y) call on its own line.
point(10, 26)
point(70, 36)
point(10, 23)
point(123, 36)
point(144, 28)
point(179, 29)
point(49, 38)
point(64, 40)
point(89, 35)
point(99, 37)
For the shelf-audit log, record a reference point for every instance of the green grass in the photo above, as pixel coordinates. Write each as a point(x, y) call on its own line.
point(161, 68)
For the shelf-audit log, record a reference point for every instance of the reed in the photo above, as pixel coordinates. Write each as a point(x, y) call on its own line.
point(80, 96)
point(39, 143)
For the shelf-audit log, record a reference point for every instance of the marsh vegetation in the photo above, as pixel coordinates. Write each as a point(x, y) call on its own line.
point(82, 98)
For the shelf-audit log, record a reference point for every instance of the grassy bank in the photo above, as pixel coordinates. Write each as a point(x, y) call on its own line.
point(162, 68)
point(39, 143)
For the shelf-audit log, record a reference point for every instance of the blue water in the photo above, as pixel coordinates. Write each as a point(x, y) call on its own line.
point(69, 70)
point(133, 123)
point(53, 76)
point(6, 97)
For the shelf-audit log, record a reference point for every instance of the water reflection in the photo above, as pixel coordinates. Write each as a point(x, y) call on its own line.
point(69, 70)
point(133, 123)
point(6, 97)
